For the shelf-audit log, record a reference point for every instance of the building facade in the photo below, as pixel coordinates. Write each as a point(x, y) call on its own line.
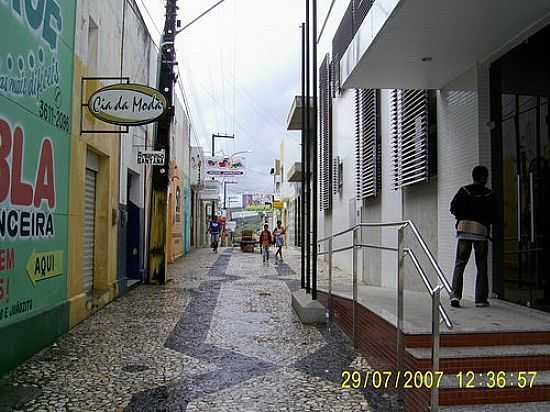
point(74, 201)
point(179, 191)
point(288, 175)
point(425, 124)
point(108, 188)
point(36, 100)
point(412, 96)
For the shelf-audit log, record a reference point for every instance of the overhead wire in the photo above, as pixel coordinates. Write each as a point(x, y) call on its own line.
point(187, 106)
point(253, 104)
point(216, 101)
point(153, 22)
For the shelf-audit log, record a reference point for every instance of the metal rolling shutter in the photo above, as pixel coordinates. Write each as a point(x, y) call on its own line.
point(367, 144)
point(325, 144)
point(414, 129)
point(89, 230)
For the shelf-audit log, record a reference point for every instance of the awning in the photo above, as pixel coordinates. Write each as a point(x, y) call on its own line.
point(425, 44)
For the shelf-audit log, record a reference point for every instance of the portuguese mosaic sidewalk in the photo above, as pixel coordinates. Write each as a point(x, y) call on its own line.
point(220, 336)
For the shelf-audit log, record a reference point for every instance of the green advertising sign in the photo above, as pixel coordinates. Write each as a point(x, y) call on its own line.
point(36, 83)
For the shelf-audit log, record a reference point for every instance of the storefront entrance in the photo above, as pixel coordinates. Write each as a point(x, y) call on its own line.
point(520, 86)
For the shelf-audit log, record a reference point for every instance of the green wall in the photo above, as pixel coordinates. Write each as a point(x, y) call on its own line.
point(36, 92)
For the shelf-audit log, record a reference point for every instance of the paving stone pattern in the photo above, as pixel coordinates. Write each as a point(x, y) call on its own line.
point(221, 336)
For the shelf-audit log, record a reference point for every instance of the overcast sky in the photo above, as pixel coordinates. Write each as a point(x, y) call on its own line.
point(241, 68)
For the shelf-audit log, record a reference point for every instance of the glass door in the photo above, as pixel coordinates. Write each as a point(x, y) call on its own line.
point(525, 175)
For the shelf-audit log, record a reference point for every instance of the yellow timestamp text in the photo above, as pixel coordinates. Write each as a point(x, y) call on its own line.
point(377, 379)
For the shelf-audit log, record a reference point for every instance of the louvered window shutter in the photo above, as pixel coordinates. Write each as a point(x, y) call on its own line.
point(325, 144)
point(367, 143)
point(414, 130)
point(337, 177)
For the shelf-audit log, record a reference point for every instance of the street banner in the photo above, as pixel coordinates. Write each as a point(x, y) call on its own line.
point(257, 202)
point(36, 95)
point(224, 166)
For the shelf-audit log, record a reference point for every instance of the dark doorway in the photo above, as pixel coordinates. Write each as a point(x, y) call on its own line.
point(520, 86)
point(133, 234)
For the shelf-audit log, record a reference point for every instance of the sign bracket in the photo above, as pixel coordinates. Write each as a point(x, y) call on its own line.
point(84, 105)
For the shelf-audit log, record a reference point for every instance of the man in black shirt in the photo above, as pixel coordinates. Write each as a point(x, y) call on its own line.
point(474, 207)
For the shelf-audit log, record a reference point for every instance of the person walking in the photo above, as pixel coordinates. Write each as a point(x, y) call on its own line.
point(474, 207)
point(214, 228)
point(265, 242)
point(279, 236)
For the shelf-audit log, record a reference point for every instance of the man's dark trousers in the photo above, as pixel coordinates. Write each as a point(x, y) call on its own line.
point(463, 252)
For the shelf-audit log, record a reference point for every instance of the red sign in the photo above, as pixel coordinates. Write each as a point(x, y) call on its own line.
point(7, 260)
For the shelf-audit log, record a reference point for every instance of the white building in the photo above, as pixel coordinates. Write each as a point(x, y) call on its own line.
point(421, 91)
point(287, 187)
point(454, 129)
point(135, 179)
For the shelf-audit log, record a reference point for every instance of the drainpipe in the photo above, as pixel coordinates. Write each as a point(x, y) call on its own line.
point(303, 185)
point(314, 160)
point(308, 159)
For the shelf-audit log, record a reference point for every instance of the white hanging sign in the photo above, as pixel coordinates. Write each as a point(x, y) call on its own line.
point(151, 157)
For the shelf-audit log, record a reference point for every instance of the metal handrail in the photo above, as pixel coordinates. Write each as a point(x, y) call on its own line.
point(443, 279)
point(428, 285)
point(435, 292)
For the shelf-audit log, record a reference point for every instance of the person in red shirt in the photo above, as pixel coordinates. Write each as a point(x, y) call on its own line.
point(265, 242)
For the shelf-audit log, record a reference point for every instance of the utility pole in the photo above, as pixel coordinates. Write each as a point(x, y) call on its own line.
point(159, 201)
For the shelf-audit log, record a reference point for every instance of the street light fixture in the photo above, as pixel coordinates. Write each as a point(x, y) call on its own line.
point(241, 152)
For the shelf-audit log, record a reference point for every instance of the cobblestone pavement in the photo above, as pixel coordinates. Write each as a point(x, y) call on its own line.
point(221, 336)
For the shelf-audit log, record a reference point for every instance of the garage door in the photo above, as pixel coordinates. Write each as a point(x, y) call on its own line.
point(89, 230)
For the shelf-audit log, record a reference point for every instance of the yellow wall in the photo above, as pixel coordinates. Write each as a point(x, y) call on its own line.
point(106, 147)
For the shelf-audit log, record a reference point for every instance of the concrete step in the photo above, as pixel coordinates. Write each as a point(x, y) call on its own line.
point(480, 394)
point(461, 352)
point(502, 407)
point(485, 358)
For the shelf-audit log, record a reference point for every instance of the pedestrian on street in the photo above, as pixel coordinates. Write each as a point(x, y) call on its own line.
point(265, 242)
point(214, 228)
point(279, 236)
point(474, 207)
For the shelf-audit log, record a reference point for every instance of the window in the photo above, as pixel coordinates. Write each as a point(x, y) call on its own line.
point(93, 47)
point(367, 143)
point(414, 129)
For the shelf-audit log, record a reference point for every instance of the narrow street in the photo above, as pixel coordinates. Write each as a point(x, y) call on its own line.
point(220, 336)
